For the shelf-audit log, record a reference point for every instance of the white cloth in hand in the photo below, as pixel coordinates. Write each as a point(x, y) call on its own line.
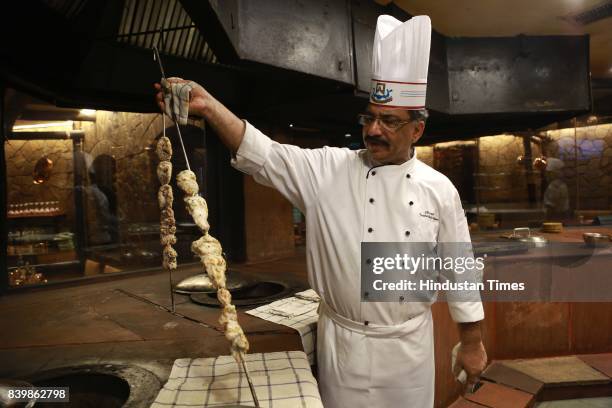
point(176, 99)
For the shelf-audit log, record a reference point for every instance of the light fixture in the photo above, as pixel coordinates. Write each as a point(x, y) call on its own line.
point(347, 135)
point(22, 128)
point(88, 112)
point(291, 125)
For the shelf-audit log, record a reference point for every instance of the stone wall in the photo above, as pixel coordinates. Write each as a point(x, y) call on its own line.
point(425, 154)
point(587, 155)
point(585, 151)
point(21, 157)
point(129, 139)
point(501, 178)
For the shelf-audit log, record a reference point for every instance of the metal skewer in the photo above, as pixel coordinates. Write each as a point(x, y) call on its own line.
point(169, 269)
point(248, 377)
point(178, 129)
point(161, 68)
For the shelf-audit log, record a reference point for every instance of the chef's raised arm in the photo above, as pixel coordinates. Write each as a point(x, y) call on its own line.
point(293, 171)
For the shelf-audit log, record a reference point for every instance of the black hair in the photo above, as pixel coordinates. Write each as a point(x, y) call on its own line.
point(420, 115)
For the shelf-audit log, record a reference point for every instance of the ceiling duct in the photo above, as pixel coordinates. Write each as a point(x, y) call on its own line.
point(166, 24)
point(597, 13)
point(69, 9)
point(296, 61)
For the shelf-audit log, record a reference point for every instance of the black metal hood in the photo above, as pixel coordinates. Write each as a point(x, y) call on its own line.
point(283, 60)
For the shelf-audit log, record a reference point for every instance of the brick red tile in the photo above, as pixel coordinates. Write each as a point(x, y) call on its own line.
point(499, 396)
point(502, 374)
point(600, 362)
point(463, 403)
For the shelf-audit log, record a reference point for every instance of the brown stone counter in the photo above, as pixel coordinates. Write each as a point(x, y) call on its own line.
point(569, 234)
point(527, 329)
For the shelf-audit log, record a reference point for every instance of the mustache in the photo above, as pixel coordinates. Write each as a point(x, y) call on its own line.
point(377, 140)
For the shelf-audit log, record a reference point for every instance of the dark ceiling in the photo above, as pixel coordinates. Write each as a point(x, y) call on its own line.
point(282, 61)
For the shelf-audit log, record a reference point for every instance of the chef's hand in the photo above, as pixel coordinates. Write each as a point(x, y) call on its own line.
point(472, 357)
point(227, 126)
point(199, 101)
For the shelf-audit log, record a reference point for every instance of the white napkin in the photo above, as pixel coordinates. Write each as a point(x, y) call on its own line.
point(176, 99)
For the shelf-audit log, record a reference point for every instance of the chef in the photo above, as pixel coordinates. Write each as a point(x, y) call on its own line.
point(369, 354)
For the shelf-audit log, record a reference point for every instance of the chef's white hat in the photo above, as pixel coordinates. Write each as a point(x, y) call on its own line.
point(400, 60)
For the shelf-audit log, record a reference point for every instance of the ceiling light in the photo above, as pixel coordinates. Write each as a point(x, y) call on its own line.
point(21, 128)
point(347, 135)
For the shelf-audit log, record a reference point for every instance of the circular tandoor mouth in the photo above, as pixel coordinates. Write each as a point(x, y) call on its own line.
point(105, 385)
point(257, 294)
point(90, 388)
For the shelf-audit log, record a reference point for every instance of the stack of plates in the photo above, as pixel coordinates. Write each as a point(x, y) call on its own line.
point(554, 227)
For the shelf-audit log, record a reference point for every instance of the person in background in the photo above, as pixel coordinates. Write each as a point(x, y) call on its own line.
point(556, 195)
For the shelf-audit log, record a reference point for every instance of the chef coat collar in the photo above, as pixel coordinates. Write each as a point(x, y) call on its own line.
point(405, 166)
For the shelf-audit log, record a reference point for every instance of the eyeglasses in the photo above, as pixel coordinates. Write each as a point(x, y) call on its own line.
point(389, 123)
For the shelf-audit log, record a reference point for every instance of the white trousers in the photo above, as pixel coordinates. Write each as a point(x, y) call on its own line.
point(375, 366)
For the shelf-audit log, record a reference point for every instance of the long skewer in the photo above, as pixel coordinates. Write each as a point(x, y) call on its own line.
point(169, 269)
point(178, 129)
point(248, 377)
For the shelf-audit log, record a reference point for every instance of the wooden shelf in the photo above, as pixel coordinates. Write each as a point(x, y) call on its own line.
point(44, 215)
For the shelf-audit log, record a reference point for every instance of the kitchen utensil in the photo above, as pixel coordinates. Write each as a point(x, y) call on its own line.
point(552, 227)
point(595, 239)
point(524, 235)
point(201, 283)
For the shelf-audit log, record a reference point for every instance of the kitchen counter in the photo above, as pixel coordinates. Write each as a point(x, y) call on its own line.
point(117, 322)
point(569, 234)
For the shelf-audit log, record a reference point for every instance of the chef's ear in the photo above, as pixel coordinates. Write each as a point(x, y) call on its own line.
point(418, 131)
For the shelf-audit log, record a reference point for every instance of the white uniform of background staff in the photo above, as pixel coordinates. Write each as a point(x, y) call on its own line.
point(368, 354)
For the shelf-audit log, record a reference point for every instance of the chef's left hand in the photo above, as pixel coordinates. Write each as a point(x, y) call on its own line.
point(473, 358)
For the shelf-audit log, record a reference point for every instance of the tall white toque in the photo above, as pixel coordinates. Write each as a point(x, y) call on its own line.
point(400, 60)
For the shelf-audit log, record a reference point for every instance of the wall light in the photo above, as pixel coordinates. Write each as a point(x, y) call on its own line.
point(23, 128)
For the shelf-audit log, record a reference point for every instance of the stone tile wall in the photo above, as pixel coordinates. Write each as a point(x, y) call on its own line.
point(587, 154)
point(129, 138)
point(501, 178)
point(21, 157)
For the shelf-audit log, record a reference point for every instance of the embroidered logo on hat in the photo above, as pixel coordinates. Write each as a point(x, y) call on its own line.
point(380, 94)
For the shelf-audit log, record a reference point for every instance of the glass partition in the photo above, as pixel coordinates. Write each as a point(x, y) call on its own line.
point(82, 191)
point(559, 174)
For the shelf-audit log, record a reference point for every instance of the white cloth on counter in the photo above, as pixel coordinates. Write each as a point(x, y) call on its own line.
point(281, 380)
point(308, 295)
point(298, 312)
point(346, 201)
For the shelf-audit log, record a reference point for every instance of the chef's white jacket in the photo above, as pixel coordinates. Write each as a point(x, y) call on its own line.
point(369, 354)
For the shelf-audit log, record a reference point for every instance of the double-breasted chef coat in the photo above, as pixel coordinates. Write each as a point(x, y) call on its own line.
point(369, 354)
